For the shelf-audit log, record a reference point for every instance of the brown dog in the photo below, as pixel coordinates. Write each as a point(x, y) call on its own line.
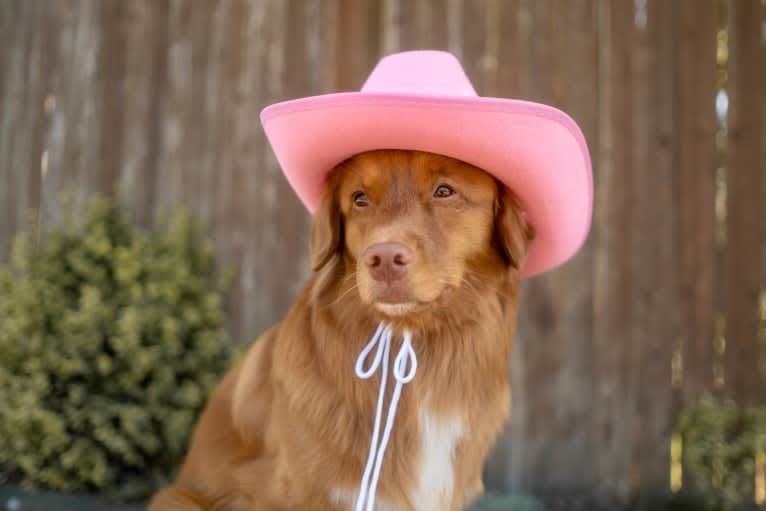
point(418, 241)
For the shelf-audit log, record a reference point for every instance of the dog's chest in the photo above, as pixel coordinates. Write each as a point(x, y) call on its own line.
point(435, 477)
point(432, 485)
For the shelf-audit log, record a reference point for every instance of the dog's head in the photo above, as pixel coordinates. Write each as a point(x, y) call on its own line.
point(407, 228)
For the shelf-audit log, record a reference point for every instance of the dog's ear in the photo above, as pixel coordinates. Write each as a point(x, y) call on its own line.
point(512, 231)
point(326, 230)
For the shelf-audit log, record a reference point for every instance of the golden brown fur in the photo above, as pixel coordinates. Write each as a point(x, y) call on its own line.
point(291, 422)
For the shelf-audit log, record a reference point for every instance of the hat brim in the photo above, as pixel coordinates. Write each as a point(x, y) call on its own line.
point(538, 151)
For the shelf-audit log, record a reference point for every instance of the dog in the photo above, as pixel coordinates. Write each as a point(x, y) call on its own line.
point(423, 243)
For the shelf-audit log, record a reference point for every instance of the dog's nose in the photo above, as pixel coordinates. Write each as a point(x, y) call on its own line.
point(387, 261)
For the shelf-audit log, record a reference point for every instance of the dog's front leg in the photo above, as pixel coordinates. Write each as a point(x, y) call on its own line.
point(177, 499)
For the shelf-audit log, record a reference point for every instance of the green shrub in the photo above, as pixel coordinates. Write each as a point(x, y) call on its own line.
point(721, 442)
point(111, 338)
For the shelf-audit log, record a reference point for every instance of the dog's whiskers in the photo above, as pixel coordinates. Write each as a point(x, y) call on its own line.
point(343, 295)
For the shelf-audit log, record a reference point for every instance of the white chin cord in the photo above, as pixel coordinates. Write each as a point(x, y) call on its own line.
point(405, 366)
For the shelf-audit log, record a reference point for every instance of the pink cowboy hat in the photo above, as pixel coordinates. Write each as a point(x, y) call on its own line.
point(423, 100)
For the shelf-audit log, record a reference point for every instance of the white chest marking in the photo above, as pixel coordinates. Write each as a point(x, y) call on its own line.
point(435, 477)
point(435, 474)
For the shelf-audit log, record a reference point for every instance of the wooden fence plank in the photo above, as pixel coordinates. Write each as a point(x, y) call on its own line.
point(615, 371)
point(110, 95)
point(223, 167)
point(391, 26)
point(745, 211)
point(656, 307)
point(358, 44)
point(762, 145)
point(425, 26)
point(481, 55)
point(551, 371)
point(75, 130)
point(144, 28)
point(574, 77)
point(228, 167)
point(695, 193)
point(7, 40)
point(184, 125)
point(21, 127)
point(282, 212)
point(254, 208)
point(9, 21)
point(15, 20)
point(480, 26)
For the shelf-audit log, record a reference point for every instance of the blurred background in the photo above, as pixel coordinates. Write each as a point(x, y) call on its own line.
point(665, 305)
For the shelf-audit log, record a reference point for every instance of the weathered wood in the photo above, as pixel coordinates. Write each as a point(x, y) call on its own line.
point(615, 368)
point(745, 215)
point(358, 42)
point(144, 28)
point(391, 25)
point(552, 389)
point(11, 54)
point(656, 307)
point(22, 95)
point(479, 42)
point(185, 128)
point(231, 106)
point(77, 137)
point(475, 42)
point(253, 197)
point(762, 145)
point(289, 254)
point(425, 26)
point(695, 193)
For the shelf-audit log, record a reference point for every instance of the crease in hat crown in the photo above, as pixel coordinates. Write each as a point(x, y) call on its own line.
point(420, 72)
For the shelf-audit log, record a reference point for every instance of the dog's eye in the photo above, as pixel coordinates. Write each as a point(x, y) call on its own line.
point(443, 191)
point(361, 200)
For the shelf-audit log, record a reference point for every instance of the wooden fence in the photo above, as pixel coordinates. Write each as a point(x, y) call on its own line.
point(666, 300)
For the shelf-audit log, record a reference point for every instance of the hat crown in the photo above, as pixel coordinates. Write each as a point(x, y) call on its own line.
point(420, 72)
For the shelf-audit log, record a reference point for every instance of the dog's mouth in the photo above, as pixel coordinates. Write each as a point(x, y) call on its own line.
point(395, 301)
point(397, 309)
point(398, 302)
point(393, 294)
